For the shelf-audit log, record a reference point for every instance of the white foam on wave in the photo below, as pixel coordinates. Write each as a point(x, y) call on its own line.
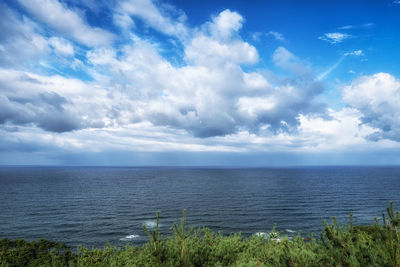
point(268, 235)
point(262, 234)
point(290, 231)
point(129, 237)
point(151, 224)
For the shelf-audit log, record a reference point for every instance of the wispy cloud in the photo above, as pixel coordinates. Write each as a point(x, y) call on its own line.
point(154, 16)
point(61, 46)
point(278, 36)
point(324, 74)
point(67, 22)
point(256, 36)
point(365, 25)
point(354, 53)
point(335, 37)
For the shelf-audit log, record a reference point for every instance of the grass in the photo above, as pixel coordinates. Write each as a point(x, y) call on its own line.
point(347, 245)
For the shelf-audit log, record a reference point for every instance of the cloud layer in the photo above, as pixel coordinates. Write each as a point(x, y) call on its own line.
point(77, 86)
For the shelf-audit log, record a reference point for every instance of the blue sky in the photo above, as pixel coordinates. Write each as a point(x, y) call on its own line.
point(242, 83)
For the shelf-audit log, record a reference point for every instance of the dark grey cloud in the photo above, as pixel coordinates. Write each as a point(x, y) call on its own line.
point(44, 110)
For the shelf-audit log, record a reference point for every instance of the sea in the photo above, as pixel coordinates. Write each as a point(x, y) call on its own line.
point(95, 206)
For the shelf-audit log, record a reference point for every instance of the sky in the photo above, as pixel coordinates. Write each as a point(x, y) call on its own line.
point(199, 83)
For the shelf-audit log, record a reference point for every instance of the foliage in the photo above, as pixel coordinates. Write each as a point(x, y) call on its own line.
point(40, 253)
point(347, 245)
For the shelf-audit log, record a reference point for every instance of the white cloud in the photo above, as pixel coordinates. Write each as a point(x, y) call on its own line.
point(67, 22)
point(20, 41)
point(210, 95)
point(123, 20)
point(365, 25)
point(354, 53)
point(288, 61)
point(154, 16)
point(343, 129)
point(140, 101)
point(335, 37)
point(226, 24)
point(256, 36)
point(61, 46)
point(53, 103)
point(377, 97)
point(346, 27)
point(278, 36)
point(204, 50)
point(324, 74)
point(219, 43)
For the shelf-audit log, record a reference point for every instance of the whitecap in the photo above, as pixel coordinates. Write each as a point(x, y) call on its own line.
point(271, 235)
point(129, 237)
point(262, 234)
point(290, 231)
point(151, 224)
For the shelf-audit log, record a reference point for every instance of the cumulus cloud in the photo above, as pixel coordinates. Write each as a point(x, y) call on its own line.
point(44, 110)
point(226, 24)
point(377, 97)
point(343, 129)
point(211, 95)
point(204, 50)
point(67, 22)
point(138, 99)
point(53, 103)
point(335, 37)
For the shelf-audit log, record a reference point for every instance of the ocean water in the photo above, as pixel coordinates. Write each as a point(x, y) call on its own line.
point(93, 206)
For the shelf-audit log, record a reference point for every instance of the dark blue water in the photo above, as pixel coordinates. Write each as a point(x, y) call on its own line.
point(92, 206)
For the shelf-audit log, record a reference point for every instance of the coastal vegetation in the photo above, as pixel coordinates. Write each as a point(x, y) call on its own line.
point(337, 245)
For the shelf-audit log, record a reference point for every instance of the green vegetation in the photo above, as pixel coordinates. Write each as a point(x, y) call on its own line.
point(347, 245)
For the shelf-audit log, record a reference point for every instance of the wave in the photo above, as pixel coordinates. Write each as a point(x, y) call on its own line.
point(151, 224)
point(264, 234)
point(272, 236)
point(129, 237)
